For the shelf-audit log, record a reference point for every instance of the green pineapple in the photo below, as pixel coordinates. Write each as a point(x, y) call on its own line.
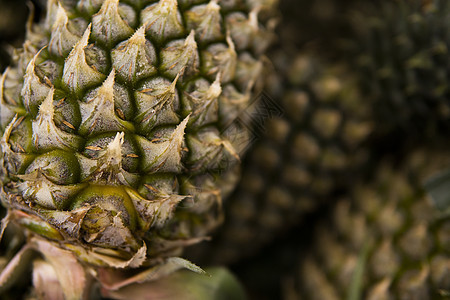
point(300, 158)
point(399, 51)
point(384, 241)
point(115, 116)
point(316, 21)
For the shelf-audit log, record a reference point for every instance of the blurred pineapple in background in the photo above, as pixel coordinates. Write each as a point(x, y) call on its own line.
point(399, 51)
point(266, 202)
point(386, 240)
point(309, 152)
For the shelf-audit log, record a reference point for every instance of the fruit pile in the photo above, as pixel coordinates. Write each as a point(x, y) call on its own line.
point(300, 144)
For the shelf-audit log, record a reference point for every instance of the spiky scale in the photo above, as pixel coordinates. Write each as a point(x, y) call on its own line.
point(77, 74)
point(156, 103)
point(105, 93)
point(62, 39)
point(135, 58)
point(181, 57)
point(163, 20)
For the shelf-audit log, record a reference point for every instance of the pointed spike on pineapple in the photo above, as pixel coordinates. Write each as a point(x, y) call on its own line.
point(2, 87)
point(61, 18)
point(99, 115)
point(77, 74)
point(204, 101)
point(227, 65)
point(179, 132)
point(190, 40)
point(109, 169)
point(215, 89)
point(135, 58)
point(243, 28)
point(106, 90)
point(138, 37)
point(62, 40)
point(231, 150)
point(46, 135)
point(213, 5)
point(164, 156)
point(210, 151)
point(206, 19)
point(174, 150)
point(230, 42)
point(46, 109)
point(261, 36)
point(52, 11)
point(173, 85)
point(157, 103)
point(113, 153)
point(8, 130)
point(163, 20)
point(33, 90)
point(253, 18)
point(181, 56)
point(108, 26)
point(218, 58)
point(156, 212)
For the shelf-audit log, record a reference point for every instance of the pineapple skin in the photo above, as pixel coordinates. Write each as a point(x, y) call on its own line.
point(115, 113)
point(399, 51)
point(386, 235)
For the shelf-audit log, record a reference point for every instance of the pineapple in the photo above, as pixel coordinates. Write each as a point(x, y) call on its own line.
point(399, 49)
point(384, 241)
point(115, 117)
point(314, 21)
point(299, 160)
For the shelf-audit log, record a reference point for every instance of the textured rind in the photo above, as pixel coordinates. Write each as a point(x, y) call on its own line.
point(402, 239)
point(112, 117)
point(304, 154)
point(399, 49)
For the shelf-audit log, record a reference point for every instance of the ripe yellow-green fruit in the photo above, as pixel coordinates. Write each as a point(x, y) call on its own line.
point(114, 123)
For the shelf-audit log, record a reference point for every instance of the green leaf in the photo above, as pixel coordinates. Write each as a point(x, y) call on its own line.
point(356, 285)
point(184, 284)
